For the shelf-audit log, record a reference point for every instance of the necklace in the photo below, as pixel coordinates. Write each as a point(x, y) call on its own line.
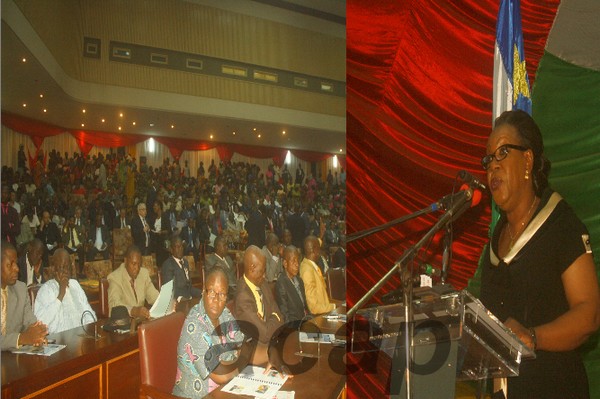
point(521, 228)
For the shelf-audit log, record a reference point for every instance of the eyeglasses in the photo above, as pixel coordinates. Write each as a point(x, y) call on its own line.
point(500, 153)
point(222, 296)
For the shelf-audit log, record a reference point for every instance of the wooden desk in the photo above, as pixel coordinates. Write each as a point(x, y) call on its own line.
point(107, 368)
point(326, 378)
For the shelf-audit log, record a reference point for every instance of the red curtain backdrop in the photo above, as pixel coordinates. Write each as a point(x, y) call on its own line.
point(419, 107)
point(87, 139)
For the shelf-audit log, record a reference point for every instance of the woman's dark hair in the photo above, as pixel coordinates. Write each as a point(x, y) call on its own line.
point(531, 137)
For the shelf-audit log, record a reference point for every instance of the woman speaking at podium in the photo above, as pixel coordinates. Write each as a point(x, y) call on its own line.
point(538, 274)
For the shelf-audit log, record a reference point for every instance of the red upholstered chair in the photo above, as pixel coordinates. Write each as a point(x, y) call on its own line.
point(158, 341)
point(103, 292)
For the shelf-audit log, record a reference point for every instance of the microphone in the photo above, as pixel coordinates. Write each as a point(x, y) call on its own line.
point(395, 296)
point(318, 335)
point(85, 334)
point(471, 180)
point(445, 203)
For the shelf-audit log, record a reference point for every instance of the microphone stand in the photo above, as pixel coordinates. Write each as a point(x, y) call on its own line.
point(461, 201)
point(85, 334)
point(301, 351)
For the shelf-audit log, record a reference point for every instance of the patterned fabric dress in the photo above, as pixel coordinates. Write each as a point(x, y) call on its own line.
point(200, 350)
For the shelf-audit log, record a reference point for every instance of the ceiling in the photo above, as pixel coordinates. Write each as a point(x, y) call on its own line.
point(35, 86)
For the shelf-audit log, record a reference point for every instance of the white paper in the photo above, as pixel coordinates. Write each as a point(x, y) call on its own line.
point(252, 381)
point(43, 350)
point(164, 303)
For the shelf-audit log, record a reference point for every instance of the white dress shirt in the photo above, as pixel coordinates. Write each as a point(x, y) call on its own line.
point(62, 315)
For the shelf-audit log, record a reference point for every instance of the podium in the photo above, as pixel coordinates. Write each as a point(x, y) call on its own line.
point(453, 337)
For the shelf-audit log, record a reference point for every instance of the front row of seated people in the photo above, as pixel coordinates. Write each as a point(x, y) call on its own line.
point(260, 310)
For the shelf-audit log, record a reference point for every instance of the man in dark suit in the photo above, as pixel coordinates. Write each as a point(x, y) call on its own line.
point(49, 234)
point(18, 325)
point(256, 226)
point(31, 268)
point(73, 240)
point(296, 225)
point(121, 221)
point(140, 230)
point(99, 240)
point(11, 222)
point(189, 235)
point(160, 231)
point(254, 300)
point(176, 268)
point(221, 259)
point(290, 288)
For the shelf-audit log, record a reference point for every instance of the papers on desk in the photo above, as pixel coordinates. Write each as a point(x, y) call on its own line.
point(44, 350)
point(253, 382)
point(165, 303)
point(284, 395)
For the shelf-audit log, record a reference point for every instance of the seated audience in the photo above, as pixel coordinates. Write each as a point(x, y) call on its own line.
point(221, 259)
point(18, 325)
point(254, 301)
point(61, 302)
point(130, 285)
point(272, 255)
point(176, 268)
point(314, 283)
point(49, 233)
point(121, 221)
point(208, 324)
point(31, 269)
point(189, 235)
point(11, 223)
point(290, 288)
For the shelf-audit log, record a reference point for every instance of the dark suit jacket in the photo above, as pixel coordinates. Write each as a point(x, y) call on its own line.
point(246, 310)
point(106, 236)
point(137, 232)
point(255, 226)
point(213, 260)
point(158, 239)
point(50, 235)
point(189, 238)
point(182, 286)
point(295, 224)
point(22, 263)
point(117, 222)
point(19, 315)
point(291, 305)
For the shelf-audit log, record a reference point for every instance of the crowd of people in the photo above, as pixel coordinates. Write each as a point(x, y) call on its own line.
point(291, 231)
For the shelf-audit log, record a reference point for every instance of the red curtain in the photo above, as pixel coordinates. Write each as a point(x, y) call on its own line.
point(310, 156)
point(34, 129)
point(419, 103)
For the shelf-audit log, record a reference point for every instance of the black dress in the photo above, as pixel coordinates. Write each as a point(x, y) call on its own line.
point(526, 285)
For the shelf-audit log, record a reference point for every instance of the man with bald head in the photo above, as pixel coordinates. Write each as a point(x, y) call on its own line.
point(315, 288)
point(129, 285)
point(61, 302)
point(254, 300)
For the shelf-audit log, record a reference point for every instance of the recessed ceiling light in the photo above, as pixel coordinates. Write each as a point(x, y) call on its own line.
point(24, 105)
point(41, 96)
point(172, 126)
point(83, 125)
point(259, 135)
point(83, 110)
point(234, 133)
point(283, 132)
point(340, 150)
point(211, 136)
point(121, 115)
point(24, 59)
point(152, 125)
point(45, 110)
point(103, 120)
point(119, 127)
point(254, 129)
